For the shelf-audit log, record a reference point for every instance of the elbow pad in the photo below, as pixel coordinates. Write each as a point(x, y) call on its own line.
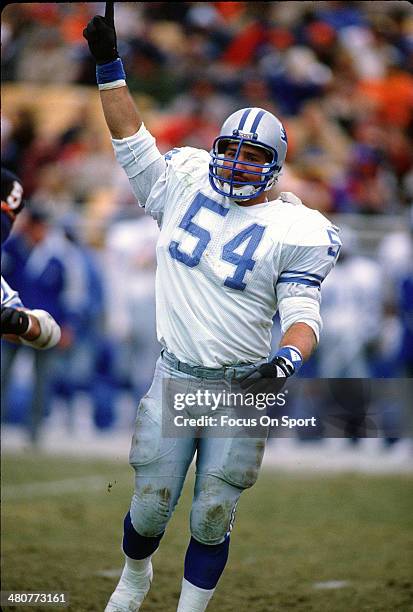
point(300, 310)
point(135, 153)
point(49, 331)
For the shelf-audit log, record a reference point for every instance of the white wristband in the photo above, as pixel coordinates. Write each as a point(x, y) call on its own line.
point(113, 84)
point(49, 331)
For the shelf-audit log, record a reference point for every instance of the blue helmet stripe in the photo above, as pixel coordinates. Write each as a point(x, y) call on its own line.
point(244, 118)
point(257, 120)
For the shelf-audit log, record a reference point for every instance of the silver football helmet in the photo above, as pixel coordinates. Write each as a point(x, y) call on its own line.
point(252, 126)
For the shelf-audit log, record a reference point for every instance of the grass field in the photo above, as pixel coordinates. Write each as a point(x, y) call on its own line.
point(291, 532)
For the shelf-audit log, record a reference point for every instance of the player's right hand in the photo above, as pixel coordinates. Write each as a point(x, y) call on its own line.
point(14, 321)
point(100, 34)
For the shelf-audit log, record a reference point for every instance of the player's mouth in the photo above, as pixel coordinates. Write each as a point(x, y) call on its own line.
point(239, 178)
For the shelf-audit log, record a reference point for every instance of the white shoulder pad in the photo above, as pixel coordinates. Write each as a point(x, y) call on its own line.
point(185, 169)
point(187, 160)
point(311, 228)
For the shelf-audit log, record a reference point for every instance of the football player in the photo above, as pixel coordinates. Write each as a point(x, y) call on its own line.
point(228, 257)
point(35, 328)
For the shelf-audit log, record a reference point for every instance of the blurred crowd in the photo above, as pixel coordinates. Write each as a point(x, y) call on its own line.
point(338, 74)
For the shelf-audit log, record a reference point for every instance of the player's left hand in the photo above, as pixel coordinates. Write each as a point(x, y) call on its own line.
point(272, 376)
point(14, 321)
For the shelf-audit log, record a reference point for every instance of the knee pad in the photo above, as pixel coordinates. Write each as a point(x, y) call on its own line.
point(213, 511)
point(151, 510)
point(134, 544)
point(242, 461)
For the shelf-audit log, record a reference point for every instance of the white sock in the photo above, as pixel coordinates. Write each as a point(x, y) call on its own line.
point(132, 587)
point(140, 566)
point(193, 599)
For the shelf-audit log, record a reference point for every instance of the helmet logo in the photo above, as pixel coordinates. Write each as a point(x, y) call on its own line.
point(246, 135)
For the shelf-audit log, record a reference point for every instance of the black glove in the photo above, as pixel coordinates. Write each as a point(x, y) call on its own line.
point(268, 377)
point(14, 321)
point(100, 34)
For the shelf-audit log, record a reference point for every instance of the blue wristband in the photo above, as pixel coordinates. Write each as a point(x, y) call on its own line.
point(292, 354)
point(113, 71)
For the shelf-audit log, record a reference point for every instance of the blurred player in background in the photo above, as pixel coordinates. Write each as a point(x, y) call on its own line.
point(227, 259)
point(130, 269)
point(47, 271)
point(353, 312)
point(405, 299)
point(35, 328)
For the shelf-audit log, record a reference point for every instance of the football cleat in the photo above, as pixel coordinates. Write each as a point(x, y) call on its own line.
point(131, 591)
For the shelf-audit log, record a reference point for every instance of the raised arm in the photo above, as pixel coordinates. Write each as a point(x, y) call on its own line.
point(134, 147)
point(121, 115)
point(120, 112)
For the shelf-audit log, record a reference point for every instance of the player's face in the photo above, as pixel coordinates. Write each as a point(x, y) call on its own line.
point(248, 153)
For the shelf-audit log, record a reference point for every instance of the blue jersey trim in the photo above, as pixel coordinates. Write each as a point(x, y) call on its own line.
point(301, 281)
point(317, 276)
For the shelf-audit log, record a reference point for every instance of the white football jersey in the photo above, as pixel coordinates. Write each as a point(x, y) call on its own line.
point(223, 269)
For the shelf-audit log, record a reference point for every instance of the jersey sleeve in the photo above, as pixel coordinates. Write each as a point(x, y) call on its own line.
point(9, 297)
point(310, 251)
point(143, 163)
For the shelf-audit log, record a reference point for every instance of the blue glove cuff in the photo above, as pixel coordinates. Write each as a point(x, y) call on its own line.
point(108, 73)
point(292, 354)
